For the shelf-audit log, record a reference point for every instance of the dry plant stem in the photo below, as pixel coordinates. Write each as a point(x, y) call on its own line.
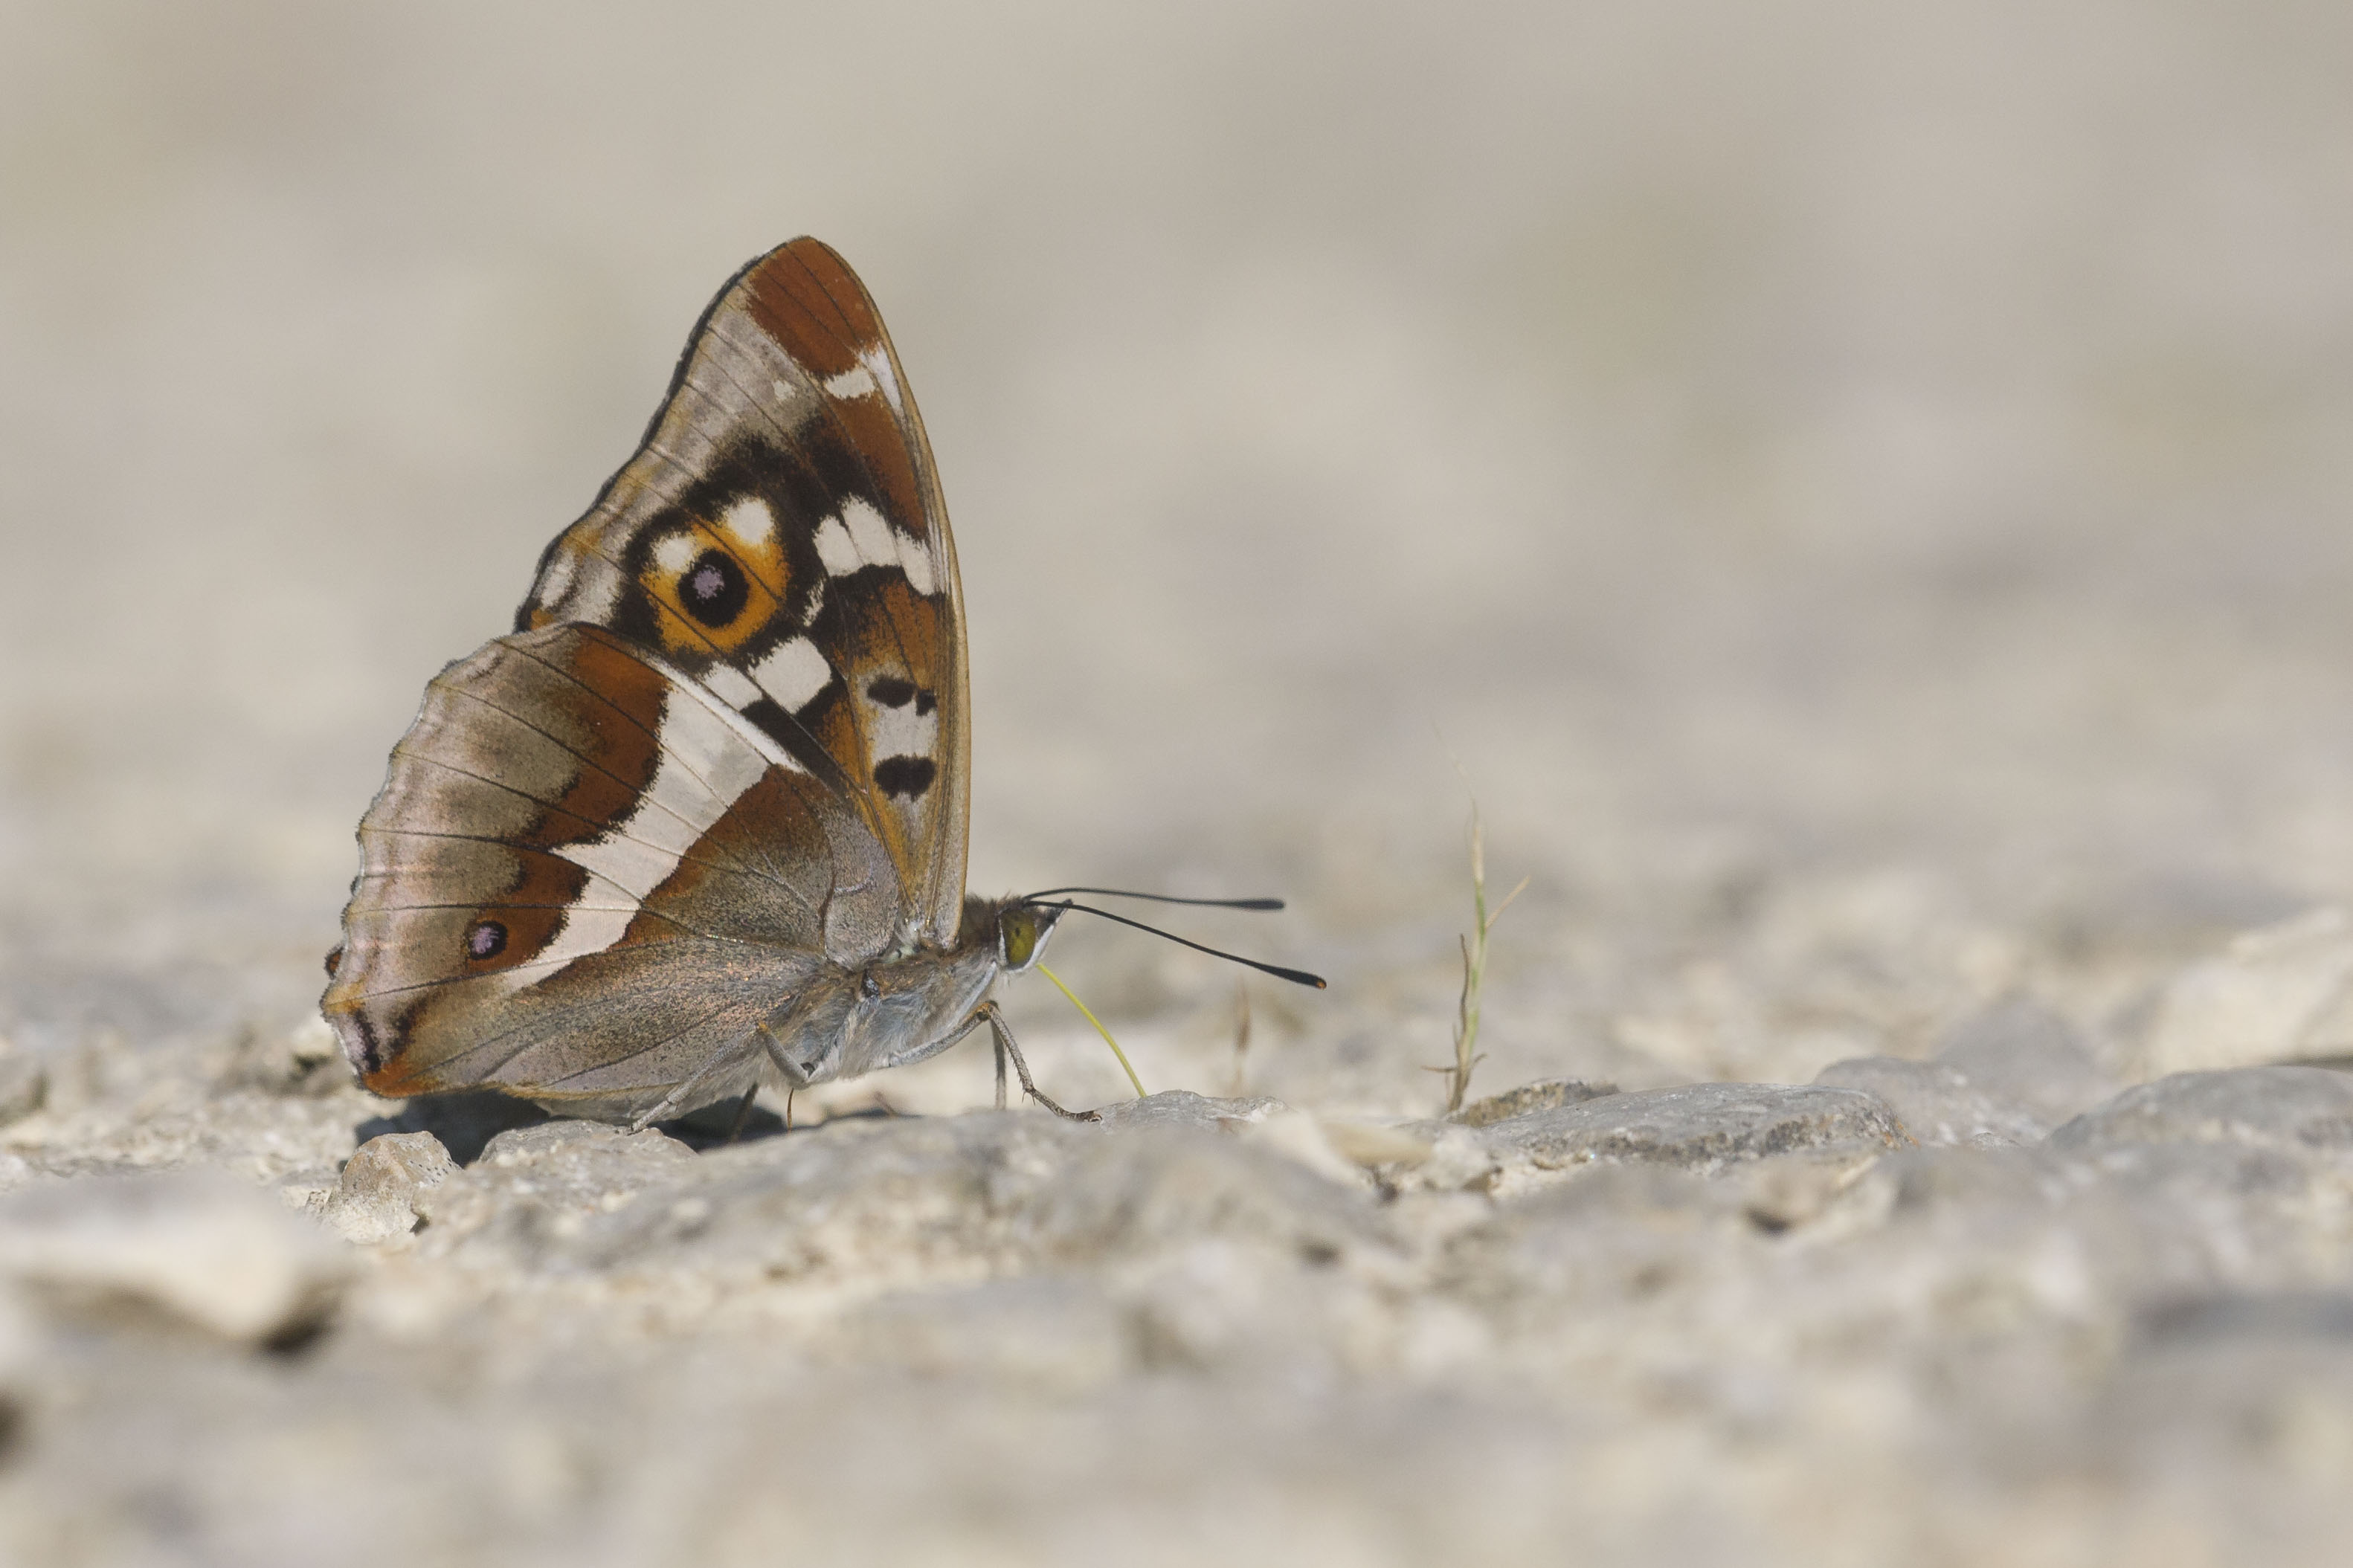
point(1474, 969)
point(1242, 1036)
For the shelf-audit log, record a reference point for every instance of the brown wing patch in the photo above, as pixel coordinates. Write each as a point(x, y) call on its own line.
point(806, 298)
point(561, 801)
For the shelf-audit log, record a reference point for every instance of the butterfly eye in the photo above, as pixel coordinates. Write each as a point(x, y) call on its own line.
point(485, 939)
point(1019, 934)
point(713, 589)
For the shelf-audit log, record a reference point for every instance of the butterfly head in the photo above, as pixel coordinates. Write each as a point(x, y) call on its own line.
point(1022, 927)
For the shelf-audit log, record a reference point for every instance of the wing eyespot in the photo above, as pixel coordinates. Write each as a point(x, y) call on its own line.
point(712, 589)
point(485, 940)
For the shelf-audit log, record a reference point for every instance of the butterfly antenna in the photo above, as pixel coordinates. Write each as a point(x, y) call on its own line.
point(1297, 976)
point(1159, 899)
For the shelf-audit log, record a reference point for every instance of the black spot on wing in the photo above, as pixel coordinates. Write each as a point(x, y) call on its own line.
point(713, 589)
point(908, 776)
point(925, 701)
point(892, 692)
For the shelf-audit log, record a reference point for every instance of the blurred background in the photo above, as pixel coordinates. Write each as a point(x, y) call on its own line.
point(1862, 491)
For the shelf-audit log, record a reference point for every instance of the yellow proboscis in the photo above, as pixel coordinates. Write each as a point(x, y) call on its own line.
point(1125, 1065)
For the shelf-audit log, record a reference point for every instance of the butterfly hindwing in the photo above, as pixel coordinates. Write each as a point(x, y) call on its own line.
point(586, 876)
point(780, 537)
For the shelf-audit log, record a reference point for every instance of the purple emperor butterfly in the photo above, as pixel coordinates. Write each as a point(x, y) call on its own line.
point(700, 820)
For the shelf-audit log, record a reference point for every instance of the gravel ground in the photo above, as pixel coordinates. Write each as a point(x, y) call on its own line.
point(1858, 496)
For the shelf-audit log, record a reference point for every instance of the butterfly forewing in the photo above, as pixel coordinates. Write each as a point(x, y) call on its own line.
point(779, 537)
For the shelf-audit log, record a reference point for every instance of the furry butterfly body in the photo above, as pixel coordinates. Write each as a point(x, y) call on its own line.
point(700, 817)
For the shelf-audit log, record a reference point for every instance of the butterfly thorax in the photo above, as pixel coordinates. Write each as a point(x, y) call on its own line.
point(894, 1010)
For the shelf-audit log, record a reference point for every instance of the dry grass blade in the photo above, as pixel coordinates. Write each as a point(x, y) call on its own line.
point(1474, 969)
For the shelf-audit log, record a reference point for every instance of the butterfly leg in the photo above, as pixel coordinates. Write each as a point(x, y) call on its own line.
point(680, 1099)
point(743, 1113)
point(1006, 1047)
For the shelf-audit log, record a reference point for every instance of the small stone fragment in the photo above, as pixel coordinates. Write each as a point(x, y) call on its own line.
point(376, 1198)
point(199, 1246)
point(1183, 1108)
point(1545, 1094)
point(538, 1184)
point(1370, 1143)
point(1699, 1127)
point(1788, 1191)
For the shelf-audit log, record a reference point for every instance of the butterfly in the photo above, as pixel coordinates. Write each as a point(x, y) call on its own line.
point(700, 820)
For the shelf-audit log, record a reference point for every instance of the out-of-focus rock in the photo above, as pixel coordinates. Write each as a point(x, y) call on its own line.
point(1299, 1136)
point(2292, 1110)
point(1618, 1234)
point(200, 1247)
point(1377, 1144)
point(1937, 1102)
point(1052, 1331)
point(2020, 1054)
point(375, 1199)
point(304, 1060)
point(2282, 993)
point(24, 1084)
point(1699, 1127)
point(20, 1338)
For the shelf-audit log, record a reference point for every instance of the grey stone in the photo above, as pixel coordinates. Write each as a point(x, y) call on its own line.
point(2325, 1315)
point(874, 1201)
point(1169, 1188)
point(375, 1199)
point(1937, 1102)
point(1546, 1094)
point(537, 1185)
point(1182, 1108)
point(197, 1246)
point(1700, 1127)
point(465, 1122)
point(2294, 1109)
